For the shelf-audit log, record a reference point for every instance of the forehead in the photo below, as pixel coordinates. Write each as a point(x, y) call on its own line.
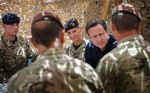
point(98, 28)
point(11, 24)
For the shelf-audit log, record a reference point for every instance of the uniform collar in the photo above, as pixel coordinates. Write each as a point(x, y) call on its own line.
point(131, 38)
point(7, 41)
point(83, 44)
point(52, 51)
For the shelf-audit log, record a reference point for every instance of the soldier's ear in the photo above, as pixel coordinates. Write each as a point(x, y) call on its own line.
point(140, 27)
point(33, 42)
point(3, 25)
point(62, 36)
point(113, 27)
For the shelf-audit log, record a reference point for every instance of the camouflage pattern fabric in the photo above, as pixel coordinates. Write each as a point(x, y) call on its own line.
point(56, 72)
point(127, 68)
point(79, 53)
point(14, 56)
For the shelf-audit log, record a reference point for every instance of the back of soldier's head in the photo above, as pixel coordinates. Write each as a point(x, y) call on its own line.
point(126, 17)
point(45, 28)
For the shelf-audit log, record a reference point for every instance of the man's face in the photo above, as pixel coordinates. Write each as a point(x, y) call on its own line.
point(98, 36)
point(74, 34)
point(11, 29)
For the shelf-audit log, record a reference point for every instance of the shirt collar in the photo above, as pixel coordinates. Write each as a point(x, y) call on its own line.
point(131, 38)
point(7, 41)
point(52, 51)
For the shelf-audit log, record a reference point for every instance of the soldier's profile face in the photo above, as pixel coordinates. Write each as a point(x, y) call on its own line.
point(11, 29)
point(98, 36)
point(74, 34)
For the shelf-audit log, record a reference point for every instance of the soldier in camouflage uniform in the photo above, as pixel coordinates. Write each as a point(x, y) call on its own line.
point(53, 71)
point(15, 51)
point(77, 47)
point(127, 68)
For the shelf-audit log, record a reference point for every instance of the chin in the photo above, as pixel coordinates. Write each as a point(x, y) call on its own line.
point(14, 34)
point(101, 47)
point(74, 40)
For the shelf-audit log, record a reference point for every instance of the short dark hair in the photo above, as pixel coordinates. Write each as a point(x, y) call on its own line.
point(95, 22)
point(45, 28)
point(125, 21)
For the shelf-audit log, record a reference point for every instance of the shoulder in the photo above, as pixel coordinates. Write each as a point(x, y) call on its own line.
point(90, 45)
point(22, 77)
point(112, 40)
point(111, 57)
point(68, 46)
point(23, 39)
point(86, 41)
point(108, 65)
point(72, 69)
point(84, 72)
point(81, 69)
point(111, 44)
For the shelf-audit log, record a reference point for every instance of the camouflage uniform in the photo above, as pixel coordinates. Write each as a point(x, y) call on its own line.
point(127, 68)
point(13, 56)
point(79, 53)
point(55, 72)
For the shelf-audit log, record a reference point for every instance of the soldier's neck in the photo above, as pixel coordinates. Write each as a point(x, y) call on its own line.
point(10, 37)
point(78, 42)
point(41, 48)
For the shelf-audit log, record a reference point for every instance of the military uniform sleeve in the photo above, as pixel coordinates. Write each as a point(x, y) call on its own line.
point(31, 52)
point(1, 64)
point(89, 78)
point(11, 87)
point(67, 50)
point(16, 81)
point(1, 68)
point(107, 70)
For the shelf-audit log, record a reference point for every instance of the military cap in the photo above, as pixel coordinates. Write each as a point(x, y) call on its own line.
point(72, 23)
point(10, 18)
point(46, 16)
point(126, 8)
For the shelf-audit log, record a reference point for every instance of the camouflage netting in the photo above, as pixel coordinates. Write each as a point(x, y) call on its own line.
point(82, 10)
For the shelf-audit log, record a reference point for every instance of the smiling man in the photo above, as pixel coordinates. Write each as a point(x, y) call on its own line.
point(77, 48)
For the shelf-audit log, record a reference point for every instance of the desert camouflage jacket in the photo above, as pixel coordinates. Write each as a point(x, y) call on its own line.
point(14, 56)
point(79, 53)
point(127, 68)
point(55, 72)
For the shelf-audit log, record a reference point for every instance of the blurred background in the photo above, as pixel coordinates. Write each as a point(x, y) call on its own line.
point(82, 10)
